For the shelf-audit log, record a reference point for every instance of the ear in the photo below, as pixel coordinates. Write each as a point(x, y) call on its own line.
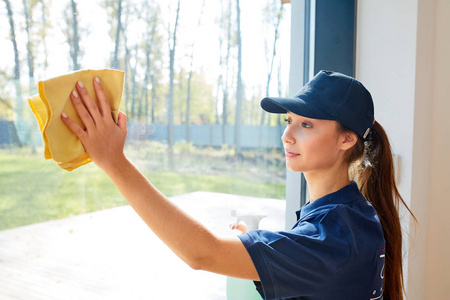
point(348, 139)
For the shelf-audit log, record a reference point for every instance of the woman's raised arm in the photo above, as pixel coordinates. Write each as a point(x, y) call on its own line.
point(104, 141)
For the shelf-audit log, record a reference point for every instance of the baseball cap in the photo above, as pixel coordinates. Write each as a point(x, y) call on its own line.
point(330, 96)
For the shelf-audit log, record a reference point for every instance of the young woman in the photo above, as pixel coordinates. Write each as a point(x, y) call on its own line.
point(347, 243)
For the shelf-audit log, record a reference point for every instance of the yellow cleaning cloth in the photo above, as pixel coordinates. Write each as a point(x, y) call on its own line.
point(61, 144)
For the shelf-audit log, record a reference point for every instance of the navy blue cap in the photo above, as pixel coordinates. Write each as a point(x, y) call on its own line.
point(330, 96)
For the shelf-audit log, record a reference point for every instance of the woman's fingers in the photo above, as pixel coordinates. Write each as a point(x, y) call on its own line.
point(91, 114)
point(103, 103)
point(103, 139)
point(241, 226)
point(77, 130)
point(88, 102)
point(82, 112)
point(122, 121)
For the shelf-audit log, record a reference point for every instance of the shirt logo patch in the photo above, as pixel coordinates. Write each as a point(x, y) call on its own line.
point(378, 293)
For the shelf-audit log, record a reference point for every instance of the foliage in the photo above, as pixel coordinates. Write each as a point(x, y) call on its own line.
point(6, 108)
point(201, 109)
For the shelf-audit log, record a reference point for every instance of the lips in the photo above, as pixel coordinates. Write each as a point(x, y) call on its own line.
point(290, 154)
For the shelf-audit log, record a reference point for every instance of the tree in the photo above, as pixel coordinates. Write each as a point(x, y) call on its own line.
point(126, 59)
point(239, 89)
point(134, 82)
point(188, 97)
point(6, 108)
point(75, 41)
point(154, 67)
point(30, 61)
point(170, 97)
point(202, 92)
point(223, 82)
point(115, 59)
point(150, 20)
point(45, 25)
point(272, 9)
point(114, 10)
point(150, 46)
point(72, 33)
point(28, 8)
point(19, 104)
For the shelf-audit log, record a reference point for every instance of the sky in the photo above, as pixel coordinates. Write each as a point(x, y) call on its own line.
point(97, 43)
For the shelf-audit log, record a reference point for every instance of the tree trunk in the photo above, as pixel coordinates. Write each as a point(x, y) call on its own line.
point(148, 51)
point(188, 103)
point(44, 34)
point(188, 98)
point(115, 60)
point(19, 104)
point(31, 85)
point(13, 40)
point(219, 87)
point(75, 40)
point(225, 80)
point(146, 78)
point(29, 49)
point(133, 86)
point(180, 88)
point(219, 78)
point(274, 53)
point(237, 122)
point(170, 98)
point(153, 99)
point(126, 60)
point(224, 116)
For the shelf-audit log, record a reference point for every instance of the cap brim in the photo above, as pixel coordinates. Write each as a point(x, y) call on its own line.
point(295, 105)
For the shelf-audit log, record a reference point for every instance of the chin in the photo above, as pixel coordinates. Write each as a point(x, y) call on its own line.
point(294, 168)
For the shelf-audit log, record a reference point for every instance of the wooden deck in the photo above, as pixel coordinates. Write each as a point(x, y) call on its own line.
point(111, 254)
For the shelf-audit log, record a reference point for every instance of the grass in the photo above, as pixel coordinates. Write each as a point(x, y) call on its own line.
point(33, 190)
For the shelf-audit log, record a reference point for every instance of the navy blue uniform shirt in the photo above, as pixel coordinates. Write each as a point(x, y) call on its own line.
point(334, 251)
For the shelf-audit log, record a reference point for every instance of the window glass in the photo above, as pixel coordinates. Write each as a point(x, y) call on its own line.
point(195, 72)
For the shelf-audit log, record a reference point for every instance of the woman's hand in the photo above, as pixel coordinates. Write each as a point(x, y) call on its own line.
point(103, 139)
point(241, 226)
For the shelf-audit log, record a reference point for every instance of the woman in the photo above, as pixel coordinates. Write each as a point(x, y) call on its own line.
point(340, 248)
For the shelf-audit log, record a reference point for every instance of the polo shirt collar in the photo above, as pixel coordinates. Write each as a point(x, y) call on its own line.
point(342, 196)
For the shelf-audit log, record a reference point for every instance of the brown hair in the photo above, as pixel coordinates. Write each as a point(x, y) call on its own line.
point(372, 167)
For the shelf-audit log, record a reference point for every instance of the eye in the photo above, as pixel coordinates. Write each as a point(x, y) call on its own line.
point(306, 125)
point(287, 120)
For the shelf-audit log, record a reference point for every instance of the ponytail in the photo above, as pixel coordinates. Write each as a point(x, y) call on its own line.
point(373, 169)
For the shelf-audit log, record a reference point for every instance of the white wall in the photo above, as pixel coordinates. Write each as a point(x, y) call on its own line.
point(403, 58)
point(438, 239)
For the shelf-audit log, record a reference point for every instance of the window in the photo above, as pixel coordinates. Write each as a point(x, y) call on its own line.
point(195, 73)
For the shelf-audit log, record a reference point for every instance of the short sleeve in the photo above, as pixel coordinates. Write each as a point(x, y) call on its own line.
point(300, 261)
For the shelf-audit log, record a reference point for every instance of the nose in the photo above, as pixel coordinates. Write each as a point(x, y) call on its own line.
point(287, 137)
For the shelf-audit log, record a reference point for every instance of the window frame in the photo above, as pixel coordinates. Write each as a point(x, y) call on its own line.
point(318, 41)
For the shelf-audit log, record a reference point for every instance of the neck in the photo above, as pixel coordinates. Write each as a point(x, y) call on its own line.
point(322, 183)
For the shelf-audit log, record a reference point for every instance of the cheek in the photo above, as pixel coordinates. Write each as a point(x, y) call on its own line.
point(319, 153)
